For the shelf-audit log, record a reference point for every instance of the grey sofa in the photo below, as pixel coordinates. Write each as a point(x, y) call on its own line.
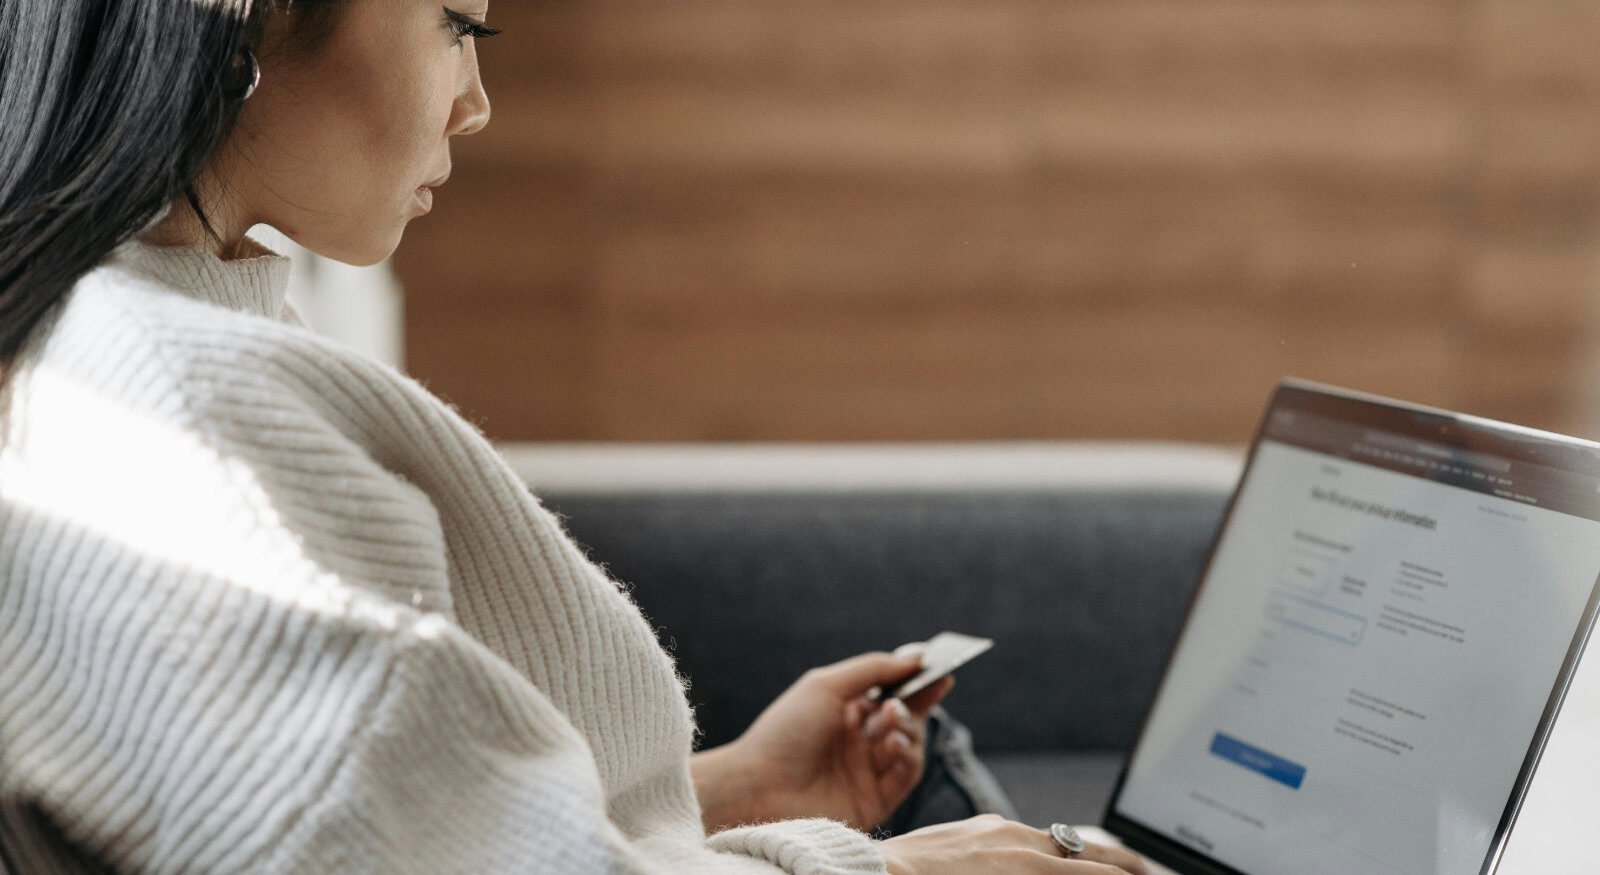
point(757, 562)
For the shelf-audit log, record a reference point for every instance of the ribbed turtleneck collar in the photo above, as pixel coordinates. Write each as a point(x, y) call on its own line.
point(255, 283)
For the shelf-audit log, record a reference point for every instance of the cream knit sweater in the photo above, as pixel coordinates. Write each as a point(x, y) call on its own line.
point(267, 605)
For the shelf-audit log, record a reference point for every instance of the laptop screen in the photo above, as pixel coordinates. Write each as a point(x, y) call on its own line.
point(1375, 649)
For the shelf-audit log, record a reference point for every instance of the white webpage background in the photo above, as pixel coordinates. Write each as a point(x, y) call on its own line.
point(1412, 735)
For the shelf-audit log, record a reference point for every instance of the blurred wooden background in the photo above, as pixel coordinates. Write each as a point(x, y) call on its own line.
point(971, 219)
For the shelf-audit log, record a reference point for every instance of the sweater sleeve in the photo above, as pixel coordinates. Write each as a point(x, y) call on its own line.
point(812, 845)
point(458, 766)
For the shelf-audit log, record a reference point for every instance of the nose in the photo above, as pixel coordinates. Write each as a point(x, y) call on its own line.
point(471, 111)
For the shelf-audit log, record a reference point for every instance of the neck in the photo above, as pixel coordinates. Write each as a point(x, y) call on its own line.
point(182, 227)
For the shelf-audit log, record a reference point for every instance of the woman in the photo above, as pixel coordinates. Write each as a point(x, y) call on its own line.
point(270, 606)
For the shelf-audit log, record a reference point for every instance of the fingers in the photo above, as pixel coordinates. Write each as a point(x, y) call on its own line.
point(892, 717)
point(895, 757)
point(1122, 859)
point(1094, 858)
point(991, 843)
point(1084, 864)
point(893, 749)
point(894, 737)
point(1080, 866)
point(1055, 864)
point(890, 743)
point(923, 702)
point(855, 716)
point(854, 676)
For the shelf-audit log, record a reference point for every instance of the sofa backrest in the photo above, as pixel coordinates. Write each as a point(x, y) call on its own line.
point(1081, 580)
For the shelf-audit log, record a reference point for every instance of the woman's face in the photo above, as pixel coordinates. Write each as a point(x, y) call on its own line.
point(350, 130)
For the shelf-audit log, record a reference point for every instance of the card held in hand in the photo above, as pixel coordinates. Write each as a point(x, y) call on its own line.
point(941, 655)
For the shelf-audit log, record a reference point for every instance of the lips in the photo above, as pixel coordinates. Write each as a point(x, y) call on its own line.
point(424, 192)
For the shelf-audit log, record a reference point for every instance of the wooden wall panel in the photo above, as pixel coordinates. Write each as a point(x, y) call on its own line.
point(1530, 273)
point(966, 219)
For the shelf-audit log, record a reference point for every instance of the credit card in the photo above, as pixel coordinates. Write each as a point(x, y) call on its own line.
point(941, 655)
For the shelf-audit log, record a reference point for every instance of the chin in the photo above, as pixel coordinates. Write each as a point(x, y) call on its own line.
point(369, 259)
point(363, 253)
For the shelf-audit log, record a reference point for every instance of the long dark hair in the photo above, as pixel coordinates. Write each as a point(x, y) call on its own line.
point(109, 110)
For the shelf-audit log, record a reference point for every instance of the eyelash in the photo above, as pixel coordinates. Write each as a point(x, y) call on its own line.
point(464, 27)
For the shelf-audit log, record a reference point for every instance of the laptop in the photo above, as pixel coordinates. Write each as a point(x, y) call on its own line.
point(1377, 649)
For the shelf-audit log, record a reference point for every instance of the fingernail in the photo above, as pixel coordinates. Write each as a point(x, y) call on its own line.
point(908, 650)
point(873, 724)
point(901, 740)
point(852, 713)
point(902, 714)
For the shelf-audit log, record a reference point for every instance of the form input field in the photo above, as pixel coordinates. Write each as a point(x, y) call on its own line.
point(1317, 617)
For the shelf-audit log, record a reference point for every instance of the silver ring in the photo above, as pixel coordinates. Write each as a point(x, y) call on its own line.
point(1067, 839)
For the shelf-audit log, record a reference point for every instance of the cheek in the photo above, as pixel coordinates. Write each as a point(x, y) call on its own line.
point(401, 137)
point(385, 106)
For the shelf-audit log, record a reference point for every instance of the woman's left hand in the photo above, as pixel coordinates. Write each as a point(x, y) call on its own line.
point(823, 749)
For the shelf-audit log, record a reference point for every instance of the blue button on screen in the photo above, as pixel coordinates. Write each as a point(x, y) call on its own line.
point(1257, 760)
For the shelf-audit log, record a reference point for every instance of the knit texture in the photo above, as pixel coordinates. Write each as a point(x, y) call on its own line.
point(268, 605)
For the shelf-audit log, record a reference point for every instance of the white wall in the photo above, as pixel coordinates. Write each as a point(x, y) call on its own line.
point(361, 307)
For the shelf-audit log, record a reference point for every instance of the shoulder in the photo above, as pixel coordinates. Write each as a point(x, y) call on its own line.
point(210, 358)
point(219, 421)
point(251, 383)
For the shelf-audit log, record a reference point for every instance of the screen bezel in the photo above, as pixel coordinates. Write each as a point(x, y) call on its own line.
point(1469, 433)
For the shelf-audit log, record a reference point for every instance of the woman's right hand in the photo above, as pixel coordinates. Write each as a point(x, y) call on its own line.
point(989, 843)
